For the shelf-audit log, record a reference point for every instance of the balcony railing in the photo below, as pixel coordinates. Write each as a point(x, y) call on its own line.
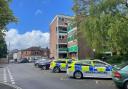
point(63, 49)
point(62, 40)
point(62, 31)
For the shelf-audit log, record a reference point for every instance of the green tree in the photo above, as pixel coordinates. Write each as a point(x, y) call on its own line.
point(6, 17)
point(3, 48)
point(104, 24)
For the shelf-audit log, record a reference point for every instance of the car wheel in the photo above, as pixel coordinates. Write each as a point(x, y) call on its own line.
point(56, 70)
point(78, 75)
point(35, 65)
point(126, 85)
point(44, 67)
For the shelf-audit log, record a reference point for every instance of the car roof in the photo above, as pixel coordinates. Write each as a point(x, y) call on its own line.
point(93, 60)
point(62, 59)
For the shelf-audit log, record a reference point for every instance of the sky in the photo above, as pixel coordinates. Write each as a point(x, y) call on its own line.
point(34, 17)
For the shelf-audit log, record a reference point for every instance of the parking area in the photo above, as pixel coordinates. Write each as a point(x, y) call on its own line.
point(27, 76)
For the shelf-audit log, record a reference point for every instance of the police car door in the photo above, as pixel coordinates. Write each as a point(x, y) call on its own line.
point(86, 68)
point(63, 65)
point(99, 69)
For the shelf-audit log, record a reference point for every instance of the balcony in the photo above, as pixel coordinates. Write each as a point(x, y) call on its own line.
point(62, 31)
point(62, 40)
point(63, 49)
point(73, 48)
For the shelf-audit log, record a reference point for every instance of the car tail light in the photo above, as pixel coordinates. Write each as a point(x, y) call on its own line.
point(117, 74)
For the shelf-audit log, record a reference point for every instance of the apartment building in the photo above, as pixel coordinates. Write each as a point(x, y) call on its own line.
point(58, 36)
point(77, 46)
point(72, 43)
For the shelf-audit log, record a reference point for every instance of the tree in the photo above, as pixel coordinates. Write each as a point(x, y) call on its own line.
point(6, 17)
point(104, 24)
point(3, 48)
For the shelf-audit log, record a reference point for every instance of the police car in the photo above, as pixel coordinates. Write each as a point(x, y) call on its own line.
point(60, 65)
point(89, 68)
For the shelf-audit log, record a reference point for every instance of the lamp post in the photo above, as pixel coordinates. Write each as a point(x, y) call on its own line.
point(94, 50)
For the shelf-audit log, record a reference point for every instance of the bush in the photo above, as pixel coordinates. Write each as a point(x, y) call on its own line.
point(116, 59)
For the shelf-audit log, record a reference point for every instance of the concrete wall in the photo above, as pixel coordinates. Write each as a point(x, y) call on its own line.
point(3, 60)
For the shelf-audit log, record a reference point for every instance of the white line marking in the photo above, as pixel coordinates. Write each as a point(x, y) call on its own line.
point(11, 76)
point(97, 82)
point(5, 75)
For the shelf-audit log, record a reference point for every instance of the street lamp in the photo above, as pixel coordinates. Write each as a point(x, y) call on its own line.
point(94, 50)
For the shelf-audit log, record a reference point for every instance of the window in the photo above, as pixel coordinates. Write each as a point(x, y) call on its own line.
point(60, 61)
point(59, 37)
point(63, 61)
point(69, 62)
point(98, 63)
point(125, 68)
point(87, 62)
point(62, 37)
point(62, 19)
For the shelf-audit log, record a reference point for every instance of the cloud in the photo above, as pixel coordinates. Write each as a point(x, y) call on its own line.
point(26, 40)
point(38, 12)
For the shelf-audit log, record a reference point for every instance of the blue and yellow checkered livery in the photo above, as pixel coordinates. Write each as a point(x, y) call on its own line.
point(61, 64)
point(90, 70)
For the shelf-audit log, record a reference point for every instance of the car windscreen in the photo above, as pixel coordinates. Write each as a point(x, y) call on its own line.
point(125, 68)
point(122, 65)
point(85, 62)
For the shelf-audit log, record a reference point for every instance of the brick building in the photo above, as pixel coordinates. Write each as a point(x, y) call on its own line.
point(64, 40)
point(72, 43)
point(77, 46)
point(35, 53)
point(58, 36)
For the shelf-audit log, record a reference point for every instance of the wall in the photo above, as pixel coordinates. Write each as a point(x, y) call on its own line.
point(53, 39)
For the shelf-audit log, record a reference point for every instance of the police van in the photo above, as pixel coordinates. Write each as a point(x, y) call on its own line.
point(89, 68)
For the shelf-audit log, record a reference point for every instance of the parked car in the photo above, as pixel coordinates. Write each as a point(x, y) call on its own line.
point(89, 68)
point(24, 60)
point(120, 75)
point(44, 65)
point(59, 65)
point(12, 61)
point(33, 60)
point(36, 63)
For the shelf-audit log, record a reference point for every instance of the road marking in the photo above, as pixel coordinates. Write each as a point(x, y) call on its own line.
point(11, 76)
point(97, 81)
point(14, 86)
point(5, 75)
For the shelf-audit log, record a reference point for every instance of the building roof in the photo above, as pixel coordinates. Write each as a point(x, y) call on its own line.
point(65, 16)
point(34, 49)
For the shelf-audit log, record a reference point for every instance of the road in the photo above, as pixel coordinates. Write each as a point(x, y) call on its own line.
point(27, 76)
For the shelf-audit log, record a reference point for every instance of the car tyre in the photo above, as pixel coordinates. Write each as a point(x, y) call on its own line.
point(35, 65)
point(126, 85)
point(44, 68)
point(56, 70)
point(78, 75)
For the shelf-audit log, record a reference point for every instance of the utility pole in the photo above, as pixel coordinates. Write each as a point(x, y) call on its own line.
point(8, 51)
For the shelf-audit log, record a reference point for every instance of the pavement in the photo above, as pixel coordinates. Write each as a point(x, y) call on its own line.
point(26, 76)
point(8, 86)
